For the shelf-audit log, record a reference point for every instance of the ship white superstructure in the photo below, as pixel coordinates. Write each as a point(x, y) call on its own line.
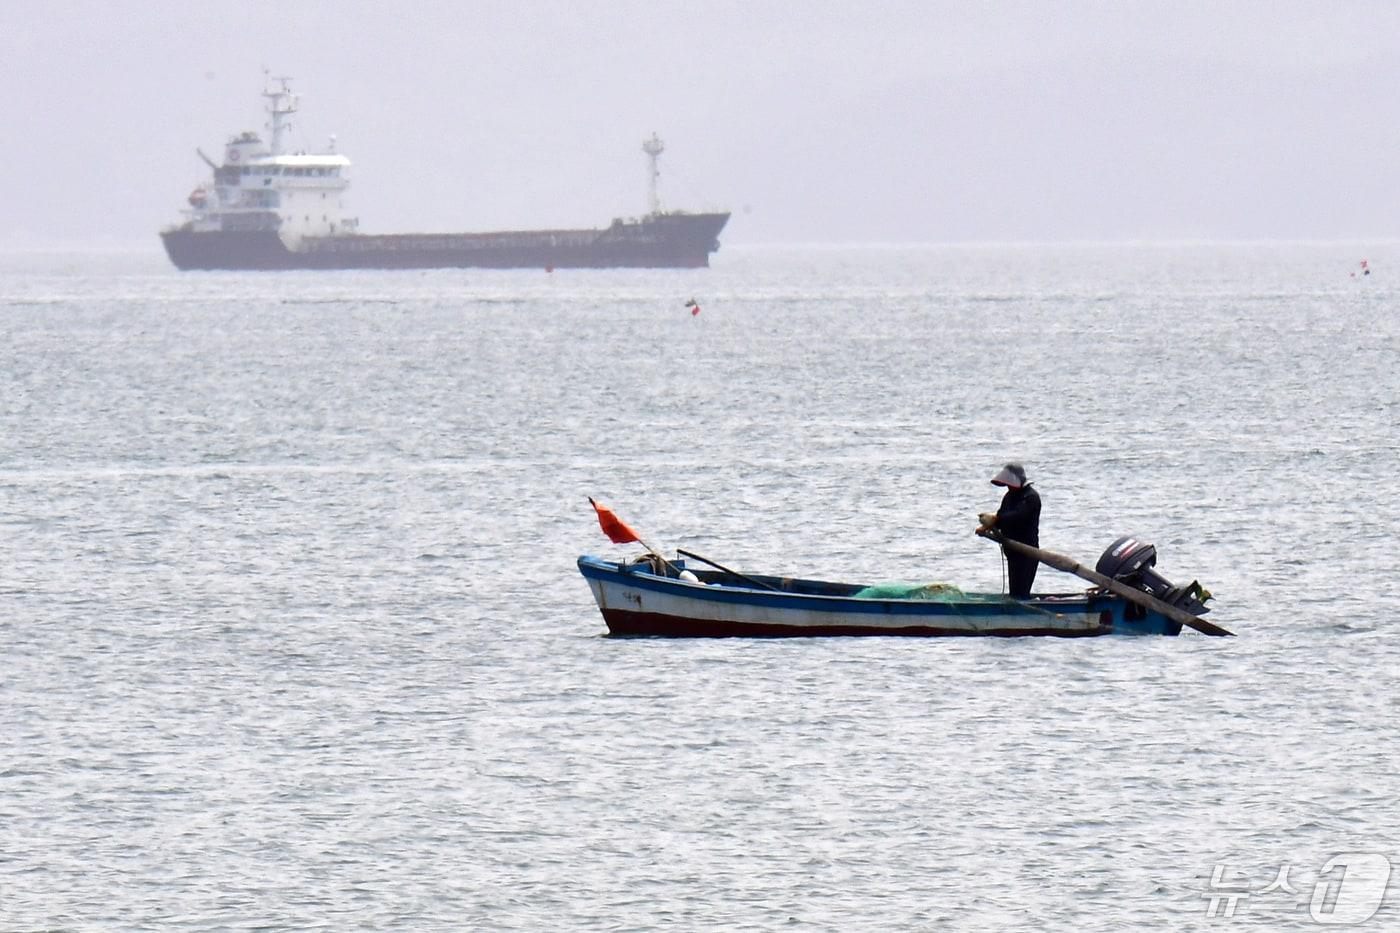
point(263, 187)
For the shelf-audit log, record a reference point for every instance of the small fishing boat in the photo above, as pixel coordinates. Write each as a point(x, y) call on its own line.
point(647, 596)
point(653, 595)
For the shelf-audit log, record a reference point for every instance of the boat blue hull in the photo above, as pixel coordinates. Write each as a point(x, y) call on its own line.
point(636, 601)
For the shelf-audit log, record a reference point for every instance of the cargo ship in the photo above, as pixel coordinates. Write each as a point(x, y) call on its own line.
point(268, 208)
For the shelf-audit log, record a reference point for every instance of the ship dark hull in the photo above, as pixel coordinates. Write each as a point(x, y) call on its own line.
point(665, 241)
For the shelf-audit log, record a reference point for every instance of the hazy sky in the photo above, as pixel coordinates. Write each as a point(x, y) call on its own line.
point(813, 122)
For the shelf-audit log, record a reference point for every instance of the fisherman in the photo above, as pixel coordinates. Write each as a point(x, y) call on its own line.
point(1018, 519)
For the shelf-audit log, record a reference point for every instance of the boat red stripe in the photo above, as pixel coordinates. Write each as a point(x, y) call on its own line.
point(631, 622)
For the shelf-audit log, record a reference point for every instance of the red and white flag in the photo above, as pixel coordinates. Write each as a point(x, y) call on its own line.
point(615, 528)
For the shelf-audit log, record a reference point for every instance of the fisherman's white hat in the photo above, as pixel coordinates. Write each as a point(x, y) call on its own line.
point(1013, 475)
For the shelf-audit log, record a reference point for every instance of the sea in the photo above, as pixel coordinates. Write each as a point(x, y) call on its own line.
point(293, 635)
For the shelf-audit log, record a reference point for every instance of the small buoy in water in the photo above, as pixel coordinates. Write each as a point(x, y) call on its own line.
point(694, 307)
point(689, 577)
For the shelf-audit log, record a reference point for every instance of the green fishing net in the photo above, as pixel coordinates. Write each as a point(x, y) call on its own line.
point(946, 592)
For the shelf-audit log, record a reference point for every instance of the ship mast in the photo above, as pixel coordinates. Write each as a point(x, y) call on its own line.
point(653, 148)
point(281, 104)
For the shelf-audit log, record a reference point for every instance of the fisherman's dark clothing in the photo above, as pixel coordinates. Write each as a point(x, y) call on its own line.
point(1019, 519)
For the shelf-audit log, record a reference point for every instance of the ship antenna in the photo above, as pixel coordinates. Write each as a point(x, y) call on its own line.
point(653, 148)
point(281, 104)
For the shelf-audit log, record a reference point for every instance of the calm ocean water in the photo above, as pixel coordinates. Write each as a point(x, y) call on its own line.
point(293, 636)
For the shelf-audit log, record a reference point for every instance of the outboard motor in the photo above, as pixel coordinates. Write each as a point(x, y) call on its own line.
point(1130, 561)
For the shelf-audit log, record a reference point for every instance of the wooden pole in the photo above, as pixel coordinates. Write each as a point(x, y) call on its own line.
point(1132, 594)
point(732, 573)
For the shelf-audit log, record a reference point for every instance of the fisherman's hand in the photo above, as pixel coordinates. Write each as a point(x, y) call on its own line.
point(988, 519)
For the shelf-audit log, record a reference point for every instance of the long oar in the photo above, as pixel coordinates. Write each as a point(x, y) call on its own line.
point(732, 573)
point(1132, 594)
